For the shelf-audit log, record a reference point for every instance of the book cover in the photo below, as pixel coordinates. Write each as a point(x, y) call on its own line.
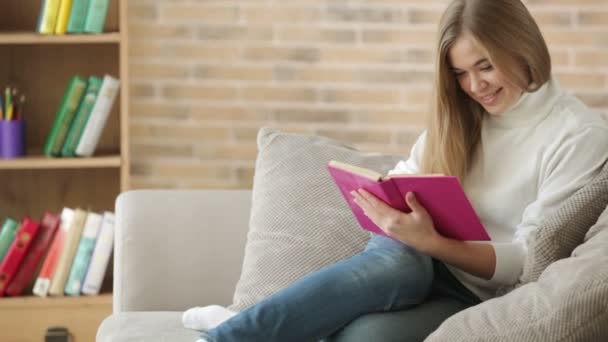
point(442, 197)
point(77, 16)
point(48, 226)
point(81, 117)
point(98, 117)
point(25, 235)
point(101, 256)
point(48, 16)
point(7, 235)
point(83, 254)
point(63, 15)
point(96, 16)
point(43, 281)
point(67, 254)
point(65, 114)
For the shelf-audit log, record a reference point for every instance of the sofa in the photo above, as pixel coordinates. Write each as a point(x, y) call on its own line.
point(175, 249)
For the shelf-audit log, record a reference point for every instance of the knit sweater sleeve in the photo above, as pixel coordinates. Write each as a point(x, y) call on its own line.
point(563, 171)
point(412, 164)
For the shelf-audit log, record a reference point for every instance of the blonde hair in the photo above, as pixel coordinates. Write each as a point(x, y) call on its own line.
point(515, 46)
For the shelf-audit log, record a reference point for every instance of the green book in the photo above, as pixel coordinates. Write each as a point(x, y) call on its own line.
point(65, 114)
point(78, 15)
point(7, 235)
point(81, 117)
point(96, 16)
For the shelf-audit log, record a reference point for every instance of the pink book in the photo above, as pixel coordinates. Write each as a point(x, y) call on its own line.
point(442, 196)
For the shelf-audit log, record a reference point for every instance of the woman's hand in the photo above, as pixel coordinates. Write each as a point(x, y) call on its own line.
point(415, 229)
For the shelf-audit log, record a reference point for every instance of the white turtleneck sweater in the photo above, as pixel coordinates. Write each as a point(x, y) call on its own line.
point(531, 158)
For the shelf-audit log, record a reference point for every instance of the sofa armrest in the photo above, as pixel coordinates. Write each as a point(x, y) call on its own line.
point(175, 249)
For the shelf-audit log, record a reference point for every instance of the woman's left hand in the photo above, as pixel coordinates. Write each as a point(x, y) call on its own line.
point(415, 229)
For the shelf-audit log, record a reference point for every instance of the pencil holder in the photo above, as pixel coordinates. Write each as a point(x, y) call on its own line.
point(12, 138)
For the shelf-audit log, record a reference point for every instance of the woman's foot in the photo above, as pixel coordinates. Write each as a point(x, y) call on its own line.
point(206, 317)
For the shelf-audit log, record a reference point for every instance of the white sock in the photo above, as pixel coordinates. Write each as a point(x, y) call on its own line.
point(206, 317)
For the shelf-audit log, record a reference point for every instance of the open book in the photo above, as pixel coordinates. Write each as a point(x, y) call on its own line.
point(442, 197)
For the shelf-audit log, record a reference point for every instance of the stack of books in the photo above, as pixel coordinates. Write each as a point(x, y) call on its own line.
point(81, 117)
point(72, 16)
point(65, 254)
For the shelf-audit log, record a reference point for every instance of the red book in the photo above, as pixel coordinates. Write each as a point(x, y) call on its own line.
point(16, 252)
point(441, 196)
point(43, 282)
point(48, 227)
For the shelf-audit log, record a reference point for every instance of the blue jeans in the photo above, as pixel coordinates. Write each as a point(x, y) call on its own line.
point(387, 277)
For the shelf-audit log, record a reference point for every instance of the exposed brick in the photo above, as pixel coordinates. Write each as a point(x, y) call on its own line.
point(188, 92)
point(594, 18)
point(231, 32)
point(281, 14)
point(246, 151)
point(143, 12)
point(344, 11)
point(312, 115)
point(361, 96)
point(158, 71)
point(234, 72)
point(153, 31)
point(269, 53)
point(398, 36)
point(279, 94)
point(206, 75)
point(312, 34)
point(353, 54)
point(596, 59)
point(199, 13)
point(314, 74)
point(357, 136)
point(200, 52)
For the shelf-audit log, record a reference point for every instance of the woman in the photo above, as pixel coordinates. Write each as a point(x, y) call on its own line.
point(520, 147)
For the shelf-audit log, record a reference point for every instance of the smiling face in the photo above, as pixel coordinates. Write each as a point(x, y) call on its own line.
point(479, 79)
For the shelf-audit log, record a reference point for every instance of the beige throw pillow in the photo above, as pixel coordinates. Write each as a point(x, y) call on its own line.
point(299, 220)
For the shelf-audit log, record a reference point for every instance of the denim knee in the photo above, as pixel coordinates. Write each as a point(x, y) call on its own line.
point(400, 274)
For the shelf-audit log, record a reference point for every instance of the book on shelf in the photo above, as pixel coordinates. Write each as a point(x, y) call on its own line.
point(16, 252)
point(68, 252)
point(442, 196)
point(96, 16)
point(65, 114)
point(81, 117)
point(32, 260)
point(77, 16)
point(99, 115)
point(72, 16)
point(83, 254)
point(101, 256)
point(48, 16)
point(49, 265)
point(63, 16)
point(7, 235)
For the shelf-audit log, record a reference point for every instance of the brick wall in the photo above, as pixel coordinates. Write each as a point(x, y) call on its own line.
point(205, 75)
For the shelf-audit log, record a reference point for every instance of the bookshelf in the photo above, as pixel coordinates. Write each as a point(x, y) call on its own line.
point(41, 66)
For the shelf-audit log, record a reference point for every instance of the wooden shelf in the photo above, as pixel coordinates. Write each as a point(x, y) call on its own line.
point(26, 319)
point(33, 302)
point(43, 162)
point(14, 38)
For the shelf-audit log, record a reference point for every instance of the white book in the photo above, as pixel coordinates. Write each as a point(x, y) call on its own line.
point(101, 256)
point(98, 117)
point(49, 266)
point(83, 254)
point(67, 254)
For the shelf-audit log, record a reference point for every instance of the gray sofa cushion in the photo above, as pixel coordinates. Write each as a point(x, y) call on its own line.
point(299, 219)
point(568, 302)
point(145, 326)
point(565, 229)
